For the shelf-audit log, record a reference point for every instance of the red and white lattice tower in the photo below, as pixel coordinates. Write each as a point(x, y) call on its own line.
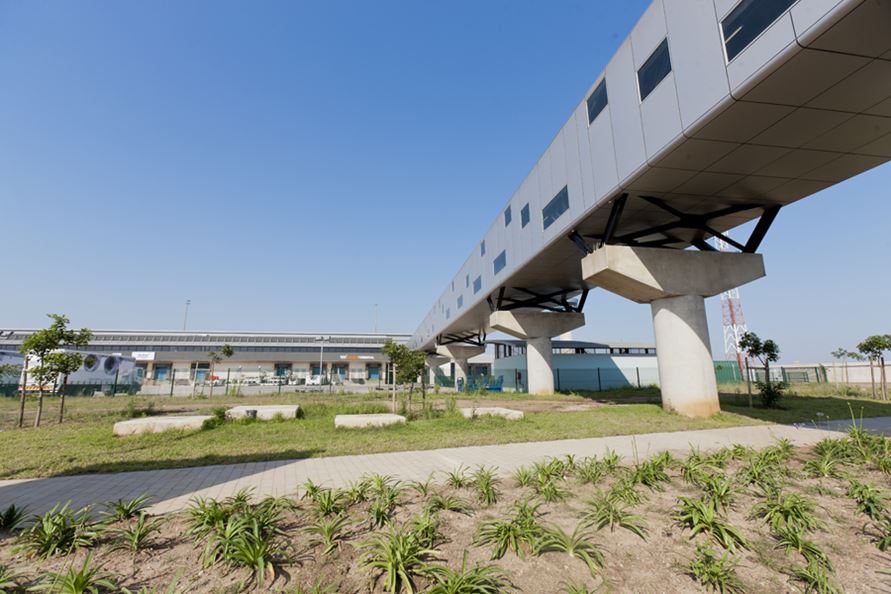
point(734, 321)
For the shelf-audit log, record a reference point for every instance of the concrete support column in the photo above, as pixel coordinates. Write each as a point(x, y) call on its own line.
point(539, 369)
point(537, 328)
point(675, 283)
point(433, 363)
point(684, 356)
point(459, 354)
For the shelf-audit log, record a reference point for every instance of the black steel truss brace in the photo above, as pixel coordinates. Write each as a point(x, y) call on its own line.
point(697, 222)
point(477, 339)
point(556, 301)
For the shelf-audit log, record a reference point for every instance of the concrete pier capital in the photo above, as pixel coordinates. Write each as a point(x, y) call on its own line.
point(535, 324)
point(457, 352)
point(645, 275)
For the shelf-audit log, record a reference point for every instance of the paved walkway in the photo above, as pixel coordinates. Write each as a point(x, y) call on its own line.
point(171, 489)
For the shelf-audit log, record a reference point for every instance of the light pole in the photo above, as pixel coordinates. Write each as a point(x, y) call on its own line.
point(321, 358)
point(186, 315)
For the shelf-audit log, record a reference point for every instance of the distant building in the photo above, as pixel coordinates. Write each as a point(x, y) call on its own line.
point(580, 365)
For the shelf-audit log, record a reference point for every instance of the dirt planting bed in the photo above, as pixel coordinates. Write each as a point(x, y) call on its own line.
point(774, 521)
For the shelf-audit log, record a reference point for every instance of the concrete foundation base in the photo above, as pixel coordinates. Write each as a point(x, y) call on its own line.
point(460, 354)
point(493, 411)
point(364, 421)
point(265, 412)
point(159, 424)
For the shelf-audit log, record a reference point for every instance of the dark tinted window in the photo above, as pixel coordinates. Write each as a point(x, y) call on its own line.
point(524, 215)
point(477, 285)
point(500, 261)
point(467, 281)
point(748, 20)
point(556, 207)
point(597, 101)
point(507, 216)
point(460, 302)
point(656, 68)
point(482, 248)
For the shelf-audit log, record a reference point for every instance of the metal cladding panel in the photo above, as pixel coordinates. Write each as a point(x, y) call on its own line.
point(574, 169)
point(603, 155)
point(722, 7)
point(807, 13)
point(586, 168)
point(648, 33)
point(697, 54)
point(773, 41)
point(624, 111)
point(864, 31)
point(661, 116)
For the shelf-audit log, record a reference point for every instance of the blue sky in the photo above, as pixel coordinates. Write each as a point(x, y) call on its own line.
point(287, 165)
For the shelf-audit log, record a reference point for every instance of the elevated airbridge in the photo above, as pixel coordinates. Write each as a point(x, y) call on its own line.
point(711, 113)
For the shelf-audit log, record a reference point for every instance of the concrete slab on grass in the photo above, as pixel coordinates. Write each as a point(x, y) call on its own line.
point(159, 424)
point(492, 411)
point(360, 421)
point(265, 412)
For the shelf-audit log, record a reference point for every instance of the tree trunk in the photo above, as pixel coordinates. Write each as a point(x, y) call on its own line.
point(39, 408)
point(212, 366)
point(62, 399)
point(22, 396)
point(884, 379)
point(872, 378)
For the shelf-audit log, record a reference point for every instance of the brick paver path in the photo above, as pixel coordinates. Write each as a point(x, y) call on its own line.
point(171, 489)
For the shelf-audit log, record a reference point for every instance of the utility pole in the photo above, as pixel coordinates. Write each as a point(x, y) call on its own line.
point(186, 315)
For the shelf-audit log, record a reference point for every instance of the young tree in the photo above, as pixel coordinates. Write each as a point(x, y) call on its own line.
point(409, 365)
point(227, 351)
point(841, 354)
point(214, 359)
point(39, 345)
point(766, 351)
point(873, 348)
point(64, 363)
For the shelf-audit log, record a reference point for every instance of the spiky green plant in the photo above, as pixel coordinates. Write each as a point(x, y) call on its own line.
point(787, 510)
point(59, 531)
point(83, 580)
point(573, 588)
point(590, 471)
point(650, 474)
point(135, 536)
point(457, 477)
point(716, 573)
point(517, 533)
point(9, 581)
point(358, 491)
point(605, 510)
point(550, 469)
point(398, 556)
point(381, 483)
point(121, 509)
point(240, 500)
point(277, 505)
point(485, 482)
point(426, 528)
point(883, 540)
point(479, 579)
point(524, 476)
point(869, 498)
point(382, 506)
point(792, 539)
point(696, 469)
point(816, 579)
point(330, 502)
point(319, 587)
point(422, 488)
point(610, 460)
point(327, 533)
point(625, 490)
point(256, 550)
point(11, 518)
point(311, 489)
point(700, 515)
point(577, 544)
point(447, 502)
point(761, 471)
point(823, 466)
point(719, 490)
point(547, 488)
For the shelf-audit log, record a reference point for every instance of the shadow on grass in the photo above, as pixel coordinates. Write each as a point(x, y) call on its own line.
point(806, 409)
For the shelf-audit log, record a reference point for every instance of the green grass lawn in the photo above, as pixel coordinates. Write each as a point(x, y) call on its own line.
point(85, 444)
